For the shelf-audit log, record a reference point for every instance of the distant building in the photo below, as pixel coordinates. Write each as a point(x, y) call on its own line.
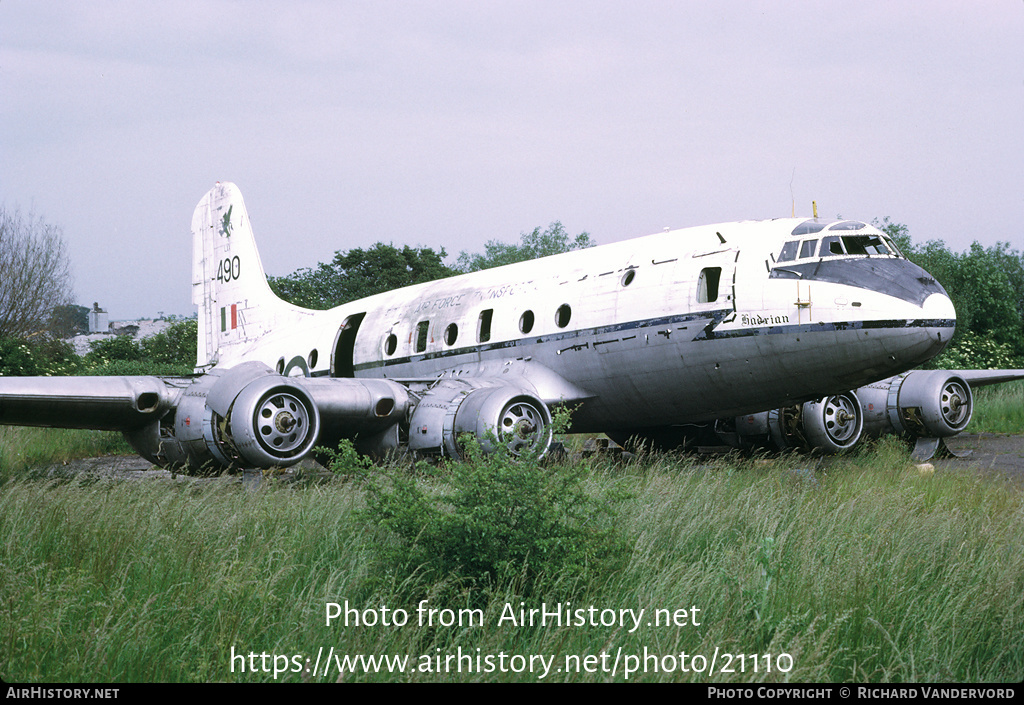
point(99, 321)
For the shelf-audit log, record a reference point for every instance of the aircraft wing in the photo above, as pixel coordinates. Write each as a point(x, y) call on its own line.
point(98, 403)
point(983, 378)
point(249, 415)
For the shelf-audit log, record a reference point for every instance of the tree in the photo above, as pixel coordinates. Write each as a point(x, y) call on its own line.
point(35, 273)
point(358, 273)
point(68, 320)
point(985, 284)
point(553, 241)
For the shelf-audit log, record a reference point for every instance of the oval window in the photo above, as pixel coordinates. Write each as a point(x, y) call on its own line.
point(451, 334)
point(391, 344)
point(526, 321)
point(628, 277)
point(562, 315)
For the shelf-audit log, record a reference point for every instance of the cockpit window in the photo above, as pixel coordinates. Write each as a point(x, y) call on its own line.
point(809, 227)
point(788, 253)
point(849, 225)
point(831, 246)
point(838, 246)
point(807, 248)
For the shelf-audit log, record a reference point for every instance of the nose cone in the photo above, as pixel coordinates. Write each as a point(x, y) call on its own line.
point(939, 307)
point(939, 319)
point(932, 327)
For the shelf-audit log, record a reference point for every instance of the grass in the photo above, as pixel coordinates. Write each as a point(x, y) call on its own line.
point(859, 568)
point(999, 409)
point(22, 448)
point(855, 568)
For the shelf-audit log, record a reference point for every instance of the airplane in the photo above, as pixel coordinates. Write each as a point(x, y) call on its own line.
point(785, 333)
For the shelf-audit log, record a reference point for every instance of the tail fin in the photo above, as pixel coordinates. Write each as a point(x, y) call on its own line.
point(236, 305)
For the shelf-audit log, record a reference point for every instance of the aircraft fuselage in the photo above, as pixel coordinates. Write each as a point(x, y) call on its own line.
point(678, 327)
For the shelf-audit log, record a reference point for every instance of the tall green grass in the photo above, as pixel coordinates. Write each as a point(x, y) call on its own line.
point(859, 568)
point(23, 447)
point(999, 409)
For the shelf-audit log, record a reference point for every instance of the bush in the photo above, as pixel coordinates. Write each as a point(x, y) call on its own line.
point(498, 520)
point(970, 351)
point(42, 355)
point(17, 358)
point(120, 347)
point(175, 345)
point(169, 352)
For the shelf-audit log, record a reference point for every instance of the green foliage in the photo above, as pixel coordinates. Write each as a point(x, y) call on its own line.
point(862, 569)
point(345, 461)
point(17, 358)
point(970, 351)
point(987, 289)
point(118, 347)
point(170, 352)
point(497, 519)
point(69, 320)
point(41, 355)
point(555, 240)
point(999, 409)
point(175, 345)
point(359, 273)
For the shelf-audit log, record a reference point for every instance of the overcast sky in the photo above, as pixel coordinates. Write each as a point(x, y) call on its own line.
point(445, 124)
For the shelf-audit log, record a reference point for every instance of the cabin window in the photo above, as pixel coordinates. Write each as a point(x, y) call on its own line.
point(526, 321)
point(562, 315)
point(422, 328)
point(808, 247)
point(628, 277)
point(707, 285)
point(451, 334)
point(483, 325)
point(391, 344)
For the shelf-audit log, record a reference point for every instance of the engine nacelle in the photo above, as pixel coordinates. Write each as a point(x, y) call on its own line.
point(833, 424)
point(272, 422)
point(249, 416)
point(922, 404)
point(918, 404)
point(506, 415)
point(830, 425)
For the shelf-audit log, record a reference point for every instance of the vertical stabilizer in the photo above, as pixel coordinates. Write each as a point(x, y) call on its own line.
point(236, 305)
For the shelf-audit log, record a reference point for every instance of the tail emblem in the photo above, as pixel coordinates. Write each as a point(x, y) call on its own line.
point(225, 223)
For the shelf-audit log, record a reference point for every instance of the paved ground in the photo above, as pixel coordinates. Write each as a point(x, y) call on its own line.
point(988, 452)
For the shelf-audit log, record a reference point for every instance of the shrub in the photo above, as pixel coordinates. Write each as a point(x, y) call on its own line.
point(970, 351)
point(43, 355)
point(498, 520)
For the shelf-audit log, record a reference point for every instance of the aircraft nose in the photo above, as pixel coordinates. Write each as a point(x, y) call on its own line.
point(939, 307)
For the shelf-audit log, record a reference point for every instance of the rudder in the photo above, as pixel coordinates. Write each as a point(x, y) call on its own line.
point(229, 286)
